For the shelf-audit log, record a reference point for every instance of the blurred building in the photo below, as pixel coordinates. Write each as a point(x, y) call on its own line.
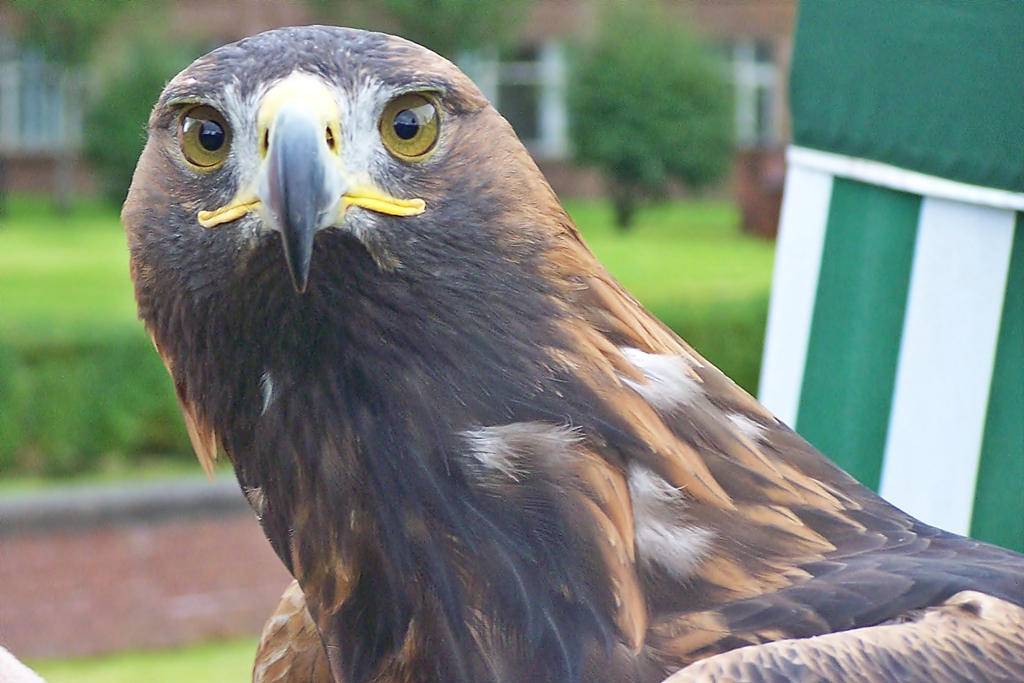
point(41, 110)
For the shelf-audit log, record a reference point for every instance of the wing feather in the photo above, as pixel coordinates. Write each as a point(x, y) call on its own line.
point(610, 506)
point(968, 638)
point(290, 648)
point(798, 547)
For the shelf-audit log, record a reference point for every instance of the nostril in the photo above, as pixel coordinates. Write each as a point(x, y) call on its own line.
point(265, 142)
point(331, 142)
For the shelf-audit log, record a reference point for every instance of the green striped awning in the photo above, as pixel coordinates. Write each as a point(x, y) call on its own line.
point(895, 338)
point(933, 86)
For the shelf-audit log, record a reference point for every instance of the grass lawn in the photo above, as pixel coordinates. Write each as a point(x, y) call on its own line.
point(66, 276)
point(63, 276)
point(215, 662)
point(689, 252)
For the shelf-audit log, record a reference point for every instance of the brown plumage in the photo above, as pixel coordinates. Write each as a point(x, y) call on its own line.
point(290, 648)
point(479, 456)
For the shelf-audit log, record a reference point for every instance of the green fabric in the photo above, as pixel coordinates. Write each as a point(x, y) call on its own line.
point(999, 496)
point(935, 86)
point(855, 335)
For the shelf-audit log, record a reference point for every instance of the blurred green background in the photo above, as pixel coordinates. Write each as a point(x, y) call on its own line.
point(84, 397)
point(82, 391)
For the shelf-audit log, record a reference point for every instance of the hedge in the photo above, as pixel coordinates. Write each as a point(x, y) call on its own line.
point(70, 407)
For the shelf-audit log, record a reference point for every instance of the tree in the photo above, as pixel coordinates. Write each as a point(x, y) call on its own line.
point(648, 103)
point(115, 122)
point(65, 31)
point(447, 27)
point(116, 113)
point(451, 26)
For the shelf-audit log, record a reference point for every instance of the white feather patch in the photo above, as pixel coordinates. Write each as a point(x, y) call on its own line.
point(747, 427)
point(662, 534)
point(504, 449)
point(267, 391)
point(242, 109)
point(671, 382)
point(362, 151)
point(257, 501)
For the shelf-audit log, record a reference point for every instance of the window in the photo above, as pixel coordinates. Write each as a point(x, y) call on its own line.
point(528, 88)
point(40, 108)
point(756, 79)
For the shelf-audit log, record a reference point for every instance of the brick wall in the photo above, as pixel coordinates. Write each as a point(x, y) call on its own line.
point(36, 173)
point(759, 176)
point(91, 571)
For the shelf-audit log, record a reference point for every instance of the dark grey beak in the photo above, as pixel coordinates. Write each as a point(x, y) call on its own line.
point(294, 188)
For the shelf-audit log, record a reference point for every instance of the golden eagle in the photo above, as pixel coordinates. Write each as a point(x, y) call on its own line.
point(479, 456)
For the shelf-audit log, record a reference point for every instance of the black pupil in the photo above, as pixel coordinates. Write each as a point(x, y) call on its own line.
point(211, 135)
point(406, 124)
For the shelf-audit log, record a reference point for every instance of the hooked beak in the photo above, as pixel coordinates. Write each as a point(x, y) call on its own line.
point(301, 186)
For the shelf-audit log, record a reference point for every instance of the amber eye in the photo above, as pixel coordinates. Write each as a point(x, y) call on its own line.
point(410, 126)
point(204, 137)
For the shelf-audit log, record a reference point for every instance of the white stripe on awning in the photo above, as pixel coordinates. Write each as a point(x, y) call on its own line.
point(896, 178)
point(802, 224)
point(946, 358)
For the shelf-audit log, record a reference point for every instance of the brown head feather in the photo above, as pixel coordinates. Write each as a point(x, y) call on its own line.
point(200, 432)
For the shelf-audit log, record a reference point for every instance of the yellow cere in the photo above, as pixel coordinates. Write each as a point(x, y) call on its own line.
point(305, 88)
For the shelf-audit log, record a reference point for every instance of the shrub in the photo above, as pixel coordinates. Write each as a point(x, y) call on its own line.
point(72, 408)
point(115, 123)
point(649, 103)
point(82, 390)
point(451, 26)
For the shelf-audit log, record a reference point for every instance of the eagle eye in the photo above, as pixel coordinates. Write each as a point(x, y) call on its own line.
point(204, 136)
point(410, 126)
